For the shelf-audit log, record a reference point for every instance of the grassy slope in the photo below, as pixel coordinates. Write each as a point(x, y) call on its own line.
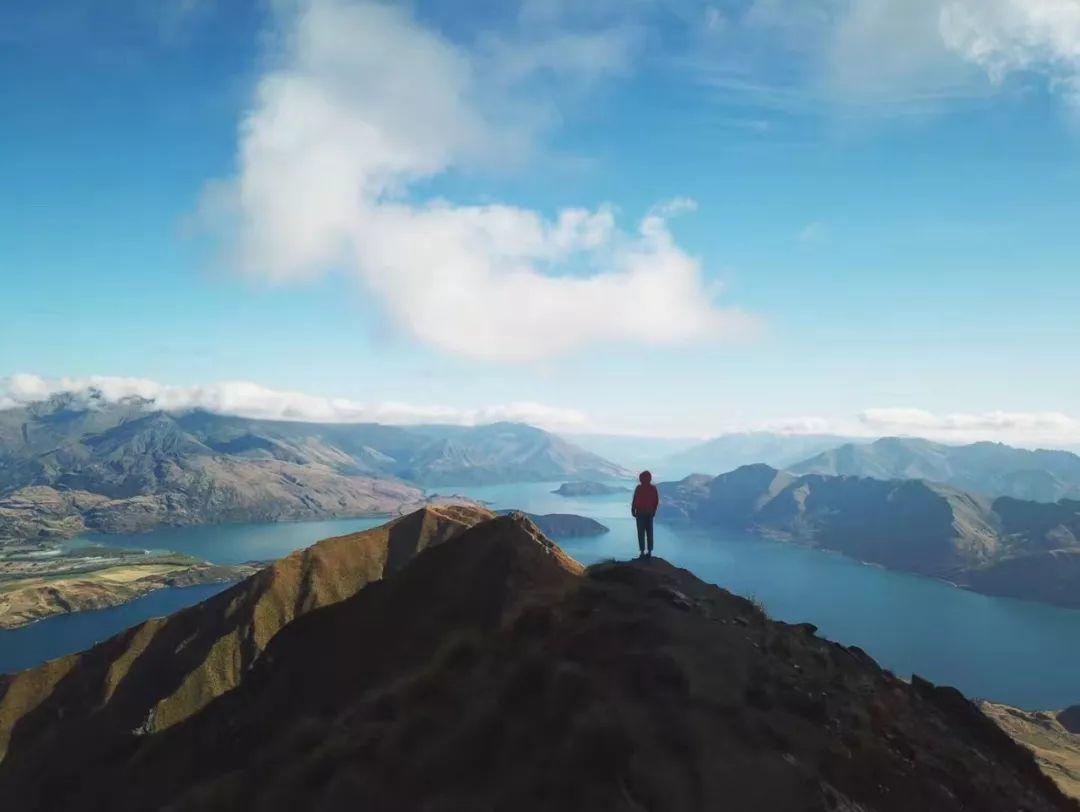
point(1056, 750)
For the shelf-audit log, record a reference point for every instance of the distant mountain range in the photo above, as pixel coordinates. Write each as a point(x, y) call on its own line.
point(70, 464)
point(635, 452)
point(730, 451)
point(1001, 546)
point(456, 660)
point(993, 469)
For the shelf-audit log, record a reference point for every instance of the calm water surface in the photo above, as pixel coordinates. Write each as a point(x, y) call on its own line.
point(1023, 653)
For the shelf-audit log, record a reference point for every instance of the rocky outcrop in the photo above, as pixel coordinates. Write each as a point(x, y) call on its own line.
point(41, 512)
point(1002, 547)
point(1070, 719)
point(491, 671)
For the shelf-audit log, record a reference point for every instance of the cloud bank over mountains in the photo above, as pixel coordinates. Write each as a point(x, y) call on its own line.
point(248, 399)
point(1021, 428)
point(363, 106)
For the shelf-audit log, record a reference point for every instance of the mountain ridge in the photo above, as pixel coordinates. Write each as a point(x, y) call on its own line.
point(493, 671)
point(205, 650)
point(729, 451)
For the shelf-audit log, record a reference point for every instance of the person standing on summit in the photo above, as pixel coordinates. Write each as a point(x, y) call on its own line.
point(643, 508)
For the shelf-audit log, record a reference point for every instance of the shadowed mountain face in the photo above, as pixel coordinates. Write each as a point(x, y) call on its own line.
point(987, 468)
point(494, 672)
point(71, 464)
point(1003, 546)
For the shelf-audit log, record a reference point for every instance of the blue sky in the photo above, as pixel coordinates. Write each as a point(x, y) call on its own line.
point(368, 202)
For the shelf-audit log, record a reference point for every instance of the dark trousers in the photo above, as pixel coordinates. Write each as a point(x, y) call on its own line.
point(644, 530)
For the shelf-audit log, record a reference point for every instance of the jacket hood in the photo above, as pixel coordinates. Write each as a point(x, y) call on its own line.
point(645, 477)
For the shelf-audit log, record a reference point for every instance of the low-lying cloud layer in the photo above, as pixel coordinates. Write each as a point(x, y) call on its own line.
point(363, 107)
point(247, 399)
point(1022, 428)
point(1025, 429)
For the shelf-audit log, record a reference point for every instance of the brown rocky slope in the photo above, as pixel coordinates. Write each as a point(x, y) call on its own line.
point(1046, 733)
point(494, 672)
point(162, 671)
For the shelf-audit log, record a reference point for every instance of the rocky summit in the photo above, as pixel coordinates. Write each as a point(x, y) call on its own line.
point(456, 660)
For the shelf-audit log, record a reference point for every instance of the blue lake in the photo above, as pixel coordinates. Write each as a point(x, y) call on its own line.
point(1011, 651)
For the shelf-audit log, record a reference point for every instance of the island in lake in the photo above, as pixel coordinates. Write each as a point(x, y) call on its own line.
point(588, 489)
point(564, 525)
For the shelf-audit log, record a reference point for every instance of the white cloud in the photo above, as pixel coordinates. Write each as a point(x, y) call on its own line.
point(1024, 428)
point(1006, 36)
point(366, 104)
point(797, 425)
point(891, 55)
point(247, 399)
point(891, 52)
point(928, 47)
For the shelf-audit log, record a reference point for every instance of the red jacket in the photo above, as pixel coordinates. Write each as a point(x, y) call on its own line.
point(646, 497)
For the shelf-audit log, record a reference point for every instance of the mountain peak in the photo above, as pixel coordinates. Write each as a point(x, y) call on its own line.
point(491, 671)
